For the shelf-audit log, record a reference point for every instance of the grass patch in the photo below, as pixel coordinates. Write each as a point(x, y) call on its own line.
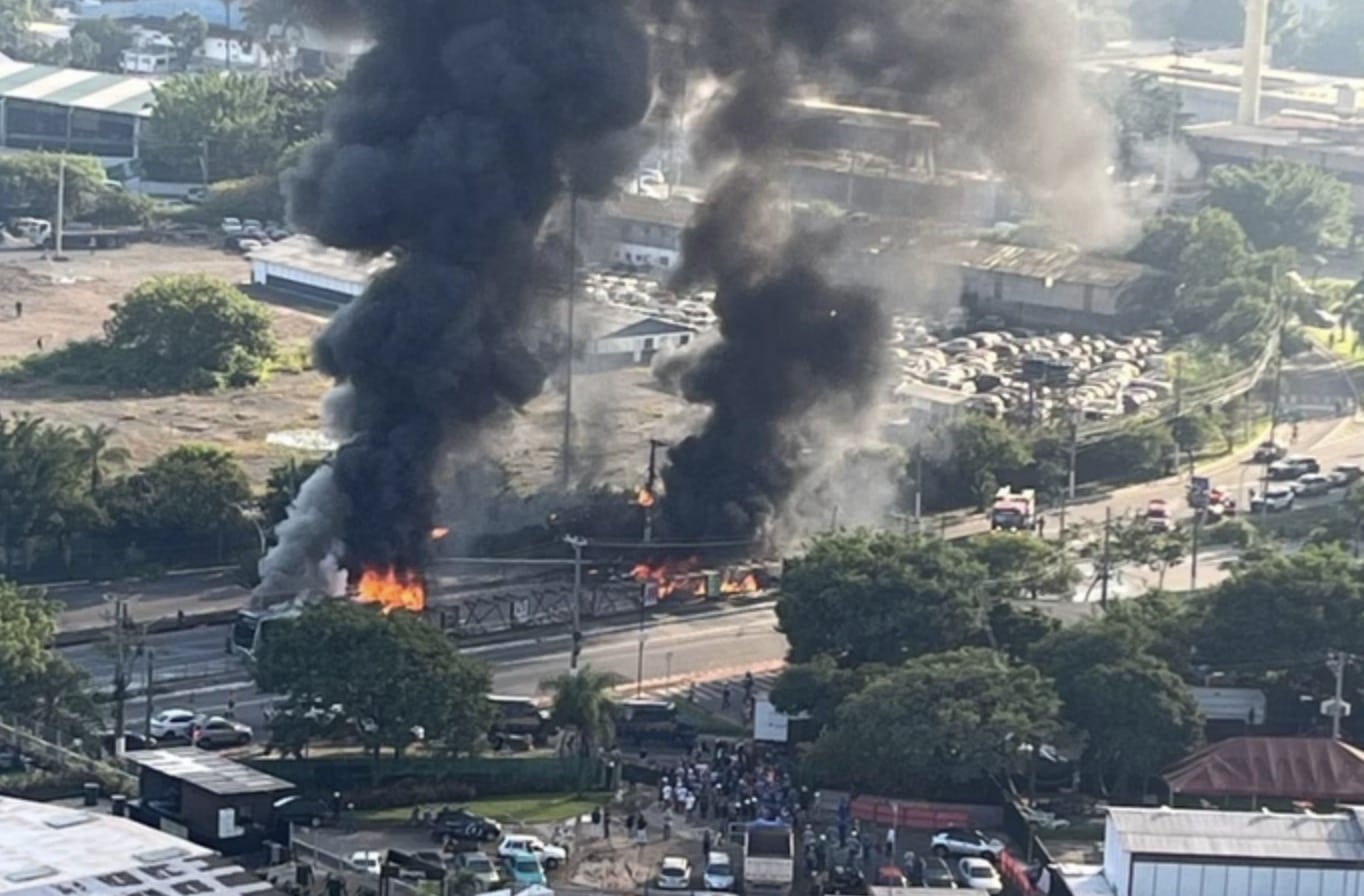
point(710, 722)
point(1347, 348)
point(530, 808)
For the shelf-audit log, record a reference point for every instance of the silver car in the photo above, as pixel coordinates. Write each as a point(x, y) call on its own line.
point(220, 732)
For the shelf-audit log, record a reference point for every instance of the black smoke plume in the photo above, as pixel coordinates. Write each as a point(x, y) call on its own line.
point(448, 144)
point(798, 355)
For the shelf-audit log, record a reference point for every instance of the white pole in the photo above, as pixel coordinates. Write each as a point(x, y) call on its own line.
point(1253, 62)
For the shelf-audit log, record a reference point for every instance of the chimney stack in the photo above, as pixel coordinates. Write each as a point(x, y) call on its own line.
point(1253, 61)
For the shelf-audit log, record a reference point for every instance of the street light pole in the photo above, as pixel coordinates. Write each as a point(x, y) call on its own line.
point(61, 188)
point(577, 544)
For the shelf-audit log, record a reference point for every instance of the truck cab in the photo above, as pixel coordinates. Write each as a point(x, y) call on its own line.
point(1013, 511)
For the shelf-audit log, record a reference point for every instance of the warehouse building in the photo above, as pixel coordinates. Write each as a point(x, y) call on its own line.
point(43, 107)
point(639, 342)
point(52, 850)
point(640, 232)
point(1183, 852)
point(302, 268)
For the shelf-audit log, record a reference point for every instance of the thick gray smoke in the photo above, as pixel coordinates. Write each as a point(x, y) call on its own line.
point(798, 354)
point(448, 144)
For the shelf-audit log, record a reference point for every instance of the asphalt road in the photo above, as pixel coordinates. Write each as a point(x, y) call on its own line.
point(719, 643)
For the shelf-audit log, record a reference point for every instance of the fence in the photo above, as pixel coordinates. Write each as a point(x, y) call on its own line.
point(68, 756)
point(485, 777)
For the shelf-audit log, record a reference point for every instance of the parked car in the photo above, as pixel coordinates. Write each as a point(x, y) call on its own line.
point(1343, 475)
point(461, 824)
point(480, 866)
point(719, 873)
point(978, 874)
point(220, 732)
point(1313, 485)
point(550, 855)
point(367, 861)
point(674, 874)
point(231, 225)
point(936, 875)
point(961, 842)
point(131, 742)
point(300, 810)
point(1276, 498)
point(518, 717)
point(523, 870)
point(640, 722)
point(172, 723)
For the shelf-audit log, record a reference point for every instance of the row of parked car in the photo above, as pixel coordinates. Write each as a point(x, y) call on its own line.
point(1298, 476)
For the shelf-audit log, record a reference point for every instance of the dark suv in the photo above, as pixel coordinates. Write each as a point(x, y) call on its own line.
point(463, 825)
point(521, 718)
point(640, 722)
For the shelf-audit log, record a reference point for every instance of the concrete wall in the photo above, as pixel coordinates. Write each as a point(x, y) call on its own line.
point(1194, 878)
point(640, 349)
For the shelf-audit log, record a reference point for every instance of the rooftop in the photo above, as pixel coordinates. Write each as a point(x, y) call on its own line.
point(1315, 133)
point(1242, 835)
point(649, 326)
point(675, 212)
point(307, 254)
point(1297, 768)
point(866, 115)
point(77, 88)
point(207, 771)
point(1060, 265)
point(48, 850)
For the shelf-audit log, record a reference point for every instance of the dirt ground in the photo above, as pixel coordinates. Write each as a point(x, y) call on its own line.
point(617, 412)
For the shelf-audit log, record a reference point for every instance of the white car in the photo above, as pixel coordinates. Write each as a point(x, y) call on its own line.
point(231, 225)
point(719, 873)
point(962, 842)
point(674, 874)
point(1274, 499)
point(550, 856)
point(978, 874)
point(172, 723)
point(369, 861)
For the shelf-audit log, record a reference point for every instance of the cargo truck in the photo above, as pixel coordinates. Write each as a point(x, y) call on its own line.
point(769, 859)
point(1013, 510)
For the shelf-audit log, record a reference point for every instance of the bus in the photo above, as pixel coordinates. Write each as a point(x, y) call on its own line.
point(252, 627)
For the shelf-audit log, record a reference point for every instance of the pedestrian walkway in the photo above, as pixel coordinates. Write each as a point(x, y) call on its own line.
point(710, 695)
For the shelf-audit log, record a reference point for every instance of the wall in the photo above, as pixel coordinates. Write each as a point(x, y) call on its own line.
point(487, 777)
point(1192, 878)
point(310, 283)
point(1115, 860)
point(250, 54)
point(641, 349)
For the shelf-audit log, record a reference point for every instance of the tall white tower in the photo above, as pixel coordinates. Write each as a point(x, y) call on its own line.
point(1253, 61)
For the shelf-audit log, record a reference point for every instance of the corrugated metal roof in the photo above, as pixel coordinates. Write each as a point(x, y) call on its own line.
point(649, 326)
point(1060, 265)
point(96, 91)
point(1297, 768)
point(1244, 835)
point(306, 254)
point(208, 771)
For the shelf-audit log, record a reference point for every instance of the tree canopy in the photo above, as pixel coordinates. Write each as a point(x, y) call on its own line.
point(223, 119)
point(876, 597)
point(582, 702)
point(953, 716)
point(394, 676)
point(1283, 203)
point(40, 685)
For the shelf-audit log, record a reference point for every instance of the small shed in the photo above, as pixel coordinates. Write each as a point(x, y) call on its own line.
point(302, 268)
point(640, 341)
point(206, 798)
point(1288, 768)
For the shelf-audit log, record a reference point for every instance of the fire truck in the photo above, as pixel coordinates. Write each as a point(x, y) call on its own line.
point(1013, 510)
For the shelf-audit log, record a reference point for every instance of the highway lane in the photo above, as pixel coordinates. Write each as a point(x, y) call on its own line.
point(703, 644)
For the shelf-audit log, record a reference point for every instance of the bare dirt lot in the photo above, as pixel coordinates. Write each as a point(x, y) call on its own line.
point(618, 412)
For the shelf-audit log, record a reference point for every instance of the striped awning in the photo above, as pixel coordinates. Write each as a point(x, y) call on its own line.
point(96, 91)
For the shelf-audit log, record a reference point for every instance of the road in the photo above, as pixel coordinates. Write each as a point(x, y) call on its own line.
point(726, 641)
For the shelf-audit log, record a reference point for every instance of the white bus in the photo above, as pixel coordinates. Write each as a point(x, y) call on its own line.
point(253, 627)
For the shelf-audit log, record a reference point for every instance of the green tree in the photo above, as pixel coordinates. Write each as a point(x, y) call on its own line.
point(820, 687)
point(189, 332)
point(1162, 242)
point(98, 452)
point(187, 33)
point(1139, 452)
point(1216, 250)
point(41, 686)
point(1284, 609)
point(582, 702)
point(948, 717)
point(984, 451)
point(109, 37)
point(1336, 44)
point(395, 676)
point(1023, 567)
point(281, 487)
point(15, 18)
point(231, 113)
point(28, 184)
point(300, 106)
point(1146, 112)
point(191, 495)
point(1014, 630)
point(42, 485)
point(1282, 203)
point(876, 597)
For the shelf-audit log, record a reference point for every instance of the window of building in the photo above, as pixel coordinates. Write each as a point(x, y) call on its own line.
point(648, 343)
point(686, 337)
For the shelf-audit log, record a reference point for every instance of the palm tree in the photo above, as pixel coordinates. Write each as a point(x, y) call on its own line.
point(582, 702)
point(97, 452)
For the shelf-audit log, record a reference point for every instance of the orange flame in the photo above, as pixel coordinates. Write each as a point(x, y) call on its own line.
point(645, 498)
point(391, 590)
point(672, 576)
point(439, 532)
point(747, 584)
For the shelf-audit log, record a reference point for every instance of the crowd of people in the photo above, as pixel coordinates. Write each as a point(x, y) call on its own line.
point(722, 783)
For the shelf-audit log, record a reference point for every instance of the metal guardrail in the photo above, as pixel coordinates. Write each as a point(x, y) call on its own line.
point(29, 741)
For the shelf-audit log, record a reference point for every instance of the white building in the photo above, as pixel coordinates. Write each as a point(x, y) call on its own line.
point(639, 342)
point(1184, 852)
point(641, 232)
point(52, 850)
point(923, 406)
point(303, 268)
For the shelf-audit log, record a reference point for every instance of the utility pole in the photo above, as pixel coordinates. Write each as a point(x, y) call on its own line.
point(577, 544)
point(1193, 549)
point(1335, 661)
point(654, 445)
point(147, 696)
point(1103, 586)
point(566, 452)
point(61, 189)
point(918, 489)
point(639, 661)
point(121, 670)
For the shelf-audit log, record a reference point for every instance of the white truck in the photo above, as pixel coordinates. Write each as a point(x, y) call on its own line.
point(769, 859)
point(1013, 510)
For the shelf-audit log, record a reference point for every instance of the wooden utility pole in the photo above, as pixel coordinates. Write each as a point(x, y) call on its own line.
point(566, 451)
point(1107, 565)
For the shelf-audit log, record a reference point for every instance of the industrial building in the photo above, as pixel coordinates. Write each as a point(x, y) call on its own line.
point(639, 342)
point(1047, 288)
point(302, 268)
point(52, 850)
point(1183, 852)
point(43, 107)
point(640, 232)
